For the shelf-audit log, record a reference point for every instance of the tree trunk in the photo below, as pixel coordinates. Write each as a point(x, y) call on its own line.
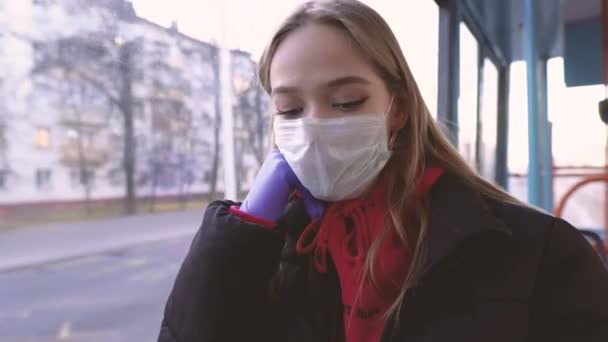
point(216, 129)
point(83, 171)
point(82, 162)
point(154, 185)
point(126, 107)
point(259, 132)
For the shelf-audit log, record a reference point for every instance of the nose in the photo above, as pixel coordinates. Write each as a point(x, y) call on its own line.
point(316, 111)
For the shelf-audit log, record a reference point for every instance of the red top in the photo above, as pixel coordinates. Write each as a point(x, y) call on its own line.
point(347, 231)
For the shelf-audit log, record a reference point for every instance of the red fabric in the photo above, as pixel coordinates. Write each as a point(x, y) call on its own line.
point(346, 233)
point(253, 219)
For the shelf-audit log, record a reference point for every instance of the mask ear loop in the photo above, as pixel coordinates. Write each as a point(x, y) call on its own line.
point(390, 106)
point(391, 142)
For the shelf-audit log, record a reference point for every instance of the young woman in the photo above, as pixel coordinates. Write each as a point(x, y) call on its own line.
point(364, 224)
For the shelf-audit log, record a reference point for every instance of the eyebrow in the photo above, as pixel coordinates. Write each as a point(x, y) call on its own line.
point(331, 84)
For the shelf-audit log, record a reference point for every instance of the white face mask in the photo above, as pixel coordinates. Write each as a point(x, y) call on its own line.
point(337, 158)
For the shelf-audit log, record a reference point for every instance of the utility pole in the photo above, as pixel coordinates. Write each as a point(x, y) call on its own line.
point(226, 101)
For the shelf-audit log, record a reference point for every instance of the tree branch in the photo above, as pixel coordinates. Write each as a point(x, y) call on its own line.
point(45, 67)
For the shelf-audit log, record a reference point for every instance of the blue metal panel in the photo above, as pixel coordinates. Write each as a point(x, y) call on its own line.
point(530, 52)
point(548, 168)
point(479, 146)
point(582, 53)
point(548, 26)
point(544, 135)
point(488, 20)
point(497, 25)
point(502, 129)
point(449, 68)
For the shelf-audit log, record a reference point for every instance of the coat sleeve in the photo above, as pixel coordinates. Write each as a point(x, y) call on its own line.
point(570, 301)
point(221, 290)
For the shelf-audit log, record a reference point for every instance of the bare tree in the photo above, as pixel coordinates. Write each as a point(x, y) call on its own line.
point(251, 115)
point(3, 128)
point(106, 65)
point(125, 104)
point(85, 113)
point(252, 107)
point(217, 124)
point(173, 126)
point(5, 168)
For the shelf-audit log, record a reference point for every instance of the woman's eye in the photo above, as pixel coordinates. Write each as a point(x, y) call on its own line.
point(289, 112)
point(350, 105)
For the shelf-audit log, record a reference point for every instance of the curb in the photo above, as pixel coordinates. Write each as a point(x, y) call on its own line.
point(25, 263)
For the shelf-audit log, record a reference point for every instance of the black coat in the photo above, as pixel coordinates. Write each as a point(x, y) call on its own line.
point(494, 272)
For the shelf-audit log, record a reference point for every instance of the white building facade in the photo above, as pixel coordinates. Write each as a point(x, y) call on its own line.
point(70, 70)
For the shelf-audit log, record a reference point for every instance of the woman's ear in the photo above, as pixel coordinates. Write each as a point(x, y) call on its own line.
point(397, 119)
point(398, 116)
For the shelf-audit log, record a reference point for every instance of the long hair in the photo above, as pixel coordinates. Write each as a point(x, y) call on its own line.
point(415, 145)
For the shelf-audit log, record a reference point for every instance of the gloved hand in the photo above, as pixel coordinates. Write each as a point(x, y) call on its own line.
point(269, 193)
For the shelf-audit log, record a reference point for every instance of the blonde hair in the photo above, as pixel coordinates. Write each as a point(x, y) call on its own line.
point(417, 144)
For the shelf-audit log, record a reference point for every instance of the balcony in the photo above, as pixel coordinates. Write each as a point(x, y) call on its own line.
point(90, 156)
point(87, 121)
point(171, 94)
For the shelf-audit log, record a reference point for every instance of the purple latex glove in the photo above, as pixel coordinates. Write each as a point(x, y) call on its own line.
point(269, 193)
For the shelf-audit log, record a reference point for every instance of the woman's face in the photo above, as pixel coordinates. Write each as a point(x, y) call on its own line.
point(318, 72)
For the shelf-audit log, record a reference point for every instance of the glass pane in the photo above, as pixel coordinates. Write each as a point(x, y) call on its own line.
point(579, 143)
point(489, 112)
point(518, 131)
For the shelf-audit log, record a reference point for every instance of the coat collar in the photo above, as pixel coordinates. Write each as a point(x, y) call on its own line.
point(458, 214)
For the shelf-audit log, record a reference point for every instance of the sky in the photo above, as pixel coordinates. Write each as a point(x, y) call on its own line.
point(579, 136)
point(248, 23)
point(251, 24)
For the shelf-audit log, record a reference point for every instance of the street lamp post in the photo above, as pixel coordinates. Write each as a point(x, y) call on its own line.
point(226, 101)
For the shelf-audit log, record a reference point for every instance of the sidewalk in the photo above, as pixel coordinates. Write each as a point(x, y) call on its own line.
point(31, 246)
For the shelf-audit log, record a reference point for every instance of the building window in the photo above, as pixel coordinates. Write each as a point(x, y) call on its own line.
point(3, 179)
point(72, 135)
point(43, 179)
point(3, 139)
point(42, 138)
point(116, 177)
point(206, 177)
point(82, 177)
point(75, 177)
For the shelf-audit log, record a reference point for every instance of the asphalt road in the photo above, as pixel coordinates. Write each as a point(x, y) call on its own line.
point(112, 297)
